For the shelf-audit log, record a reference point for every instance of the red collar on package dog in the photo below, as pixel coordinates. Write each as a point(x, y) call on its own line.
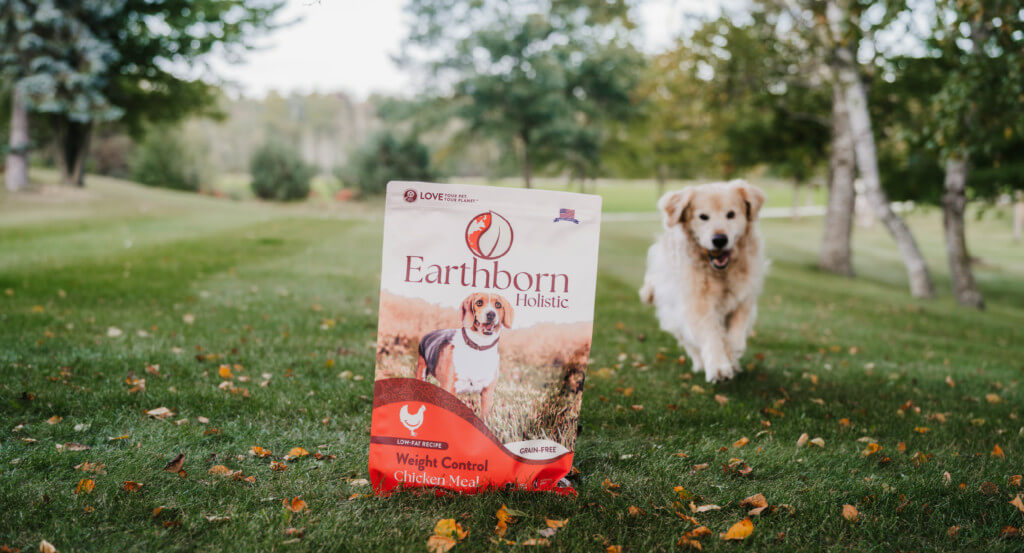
point(475, 345)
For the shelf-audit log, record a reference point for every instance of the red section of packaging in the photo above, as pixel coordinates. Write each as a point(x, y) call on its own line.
point(422, 436)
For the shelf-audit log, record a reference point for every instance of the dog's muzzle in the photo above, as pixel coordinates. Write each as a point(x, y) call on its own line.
point(719, 258)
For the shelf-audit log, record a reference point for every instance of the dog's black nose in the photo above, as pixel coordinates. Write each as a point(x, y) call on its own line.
point(490, 316)
point(719, 240)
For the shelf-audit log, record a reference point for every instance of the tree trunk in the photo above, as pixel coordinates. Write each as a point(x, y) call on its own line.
point(16, 173)
point(797, 185)
point(527, 165)
point(867, 163)
point(835, 253)
point(661, 175)
point(72, 148)
point(1018, 217)
point(954, 202)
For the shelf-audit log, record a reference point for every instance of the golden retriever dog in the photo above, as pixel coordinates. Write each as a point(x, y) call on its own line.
point(705, 272)
point(465, 360)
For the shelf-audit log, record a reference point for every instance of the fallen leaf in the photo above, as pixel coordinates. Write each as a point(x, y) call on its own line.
point(86, 466)
point(947, 478)
point(698, 532)
point(54, 419)
point(278, 466)
point(610, 487)
point(993, 398)
point(741, 442)
point(72, 446)
point(188, 318)
point(802, 440)
point(295, 532)
point(203, 420)
point(46, 547)
point(820, 442)
point(85, 485)
point(259, 451)
point(756, 500)
point(952, 531)
point(160, 413)
point(703, 508)
point(555, 523)
point(739, 531)
point(922, 429)
point(1015, 480)
point(871, 449)
point(295, 453)
point(722, 400)
point(850, 513)
point(692, 544)
point(635, 511)
point(131, 486)
point(1018, 503)
point(448, 527)
point(683, 493)
point(988, 488)
point(215, 518)
point(220, 470)
point(1009, 532)
point(440, 544)
point(225, 372)
point(535, 541)
point(175, 464)
point(114, 332)
point(998, 452)
point(296, 505)
point(613, 549)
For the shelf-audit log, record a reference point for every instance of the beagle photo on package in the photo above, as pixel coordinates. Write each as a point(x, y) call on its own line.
point(465, 360)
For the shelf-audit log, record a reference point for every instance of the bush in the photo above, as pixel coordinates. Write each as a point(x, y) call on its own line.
point(279, 173)
point(386, 158)
point(164, 159)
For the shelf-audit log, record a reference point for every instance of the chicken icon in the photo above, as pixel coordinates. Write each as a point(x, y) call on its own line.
point(411, 421)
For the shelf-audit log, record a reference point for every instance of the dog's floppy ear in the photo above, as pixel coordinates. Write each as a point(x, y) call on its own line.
point(507, 313)
point(673, 206)
point(752, 197)
point(468, 314)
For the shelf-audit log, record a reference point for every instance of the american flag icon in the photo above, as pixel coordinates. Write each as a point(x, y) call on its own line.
point(566, 215)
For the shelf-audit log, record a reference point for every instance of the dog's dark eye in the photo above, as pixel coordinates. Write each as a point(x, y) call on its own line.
point(497, 304)
point(479, 303)
point(730, 215)
point(703, 216)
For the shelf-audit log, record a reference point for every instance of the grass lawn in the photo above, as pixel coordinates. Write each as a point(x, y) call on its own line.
point(96, 286)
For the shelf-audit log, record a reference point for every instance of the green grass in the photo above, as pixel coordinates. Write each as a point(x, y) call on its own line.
point(291, 291)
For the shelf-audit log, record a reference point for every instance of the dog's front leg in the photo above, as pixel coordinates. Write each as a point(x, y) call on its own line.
point(486, 400)
point(710, 334)
point(739, 325)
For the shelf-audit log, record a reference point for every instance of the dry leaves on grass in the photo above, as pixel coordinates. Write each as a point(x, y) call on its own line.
point(690, 539)
point(871, 449)
point(278, 466)
point(741, 442)
point(159, 413)
point(295, 453)
point(739, 531)
point(1018, 503)
point(610, 487)
point(259, 451)
point(175, 464)
point(1015, 480)
point(702, 508)
point(850, 513)
point(85, 485)
point(296, 505)
point(131, 486)
point(998, 452)
point(95, 468)
point(757, 504)
point(46, 547)
point(447, 533)
point(54, 419)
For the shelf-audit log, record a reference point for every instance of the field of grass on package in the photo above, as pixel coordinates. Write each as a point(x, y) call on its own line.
point(137, 325)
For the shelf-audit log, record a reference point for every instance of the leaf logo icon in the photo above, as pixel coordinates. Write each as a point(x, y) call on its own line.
point(489, 235)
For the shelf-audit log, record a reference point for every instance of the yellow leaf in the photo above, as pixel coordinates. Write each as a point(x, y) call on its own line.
point(259, 451)
point(820, 442)
point(297, 452)
point(225, 372)
point(998, 452)
point(741, 442)
point(440, 544)
point(613, 549)
point(739, 531)
point(802, 440)
point(1016, 502)
point(220, 470)
point(85, 485)
point(993, 398)
point(448, 527)
point(850, 513)
point(296, 505)
point(922, 429)
point(871, 449)
point(554, 523)
point(54, 419)
point(635, 511)
point(757, 500)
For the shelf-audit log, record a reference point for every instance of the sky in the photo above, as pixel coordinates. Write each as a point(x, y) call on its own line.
point(347, 45)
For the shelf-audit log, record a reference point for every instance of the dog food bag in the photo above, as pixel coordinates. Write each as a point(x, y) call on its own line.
point(486, 314)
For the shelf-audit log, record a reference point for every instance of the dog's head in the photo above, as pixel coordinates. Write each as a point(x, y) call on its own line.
point(486, 313)
point(714, 216)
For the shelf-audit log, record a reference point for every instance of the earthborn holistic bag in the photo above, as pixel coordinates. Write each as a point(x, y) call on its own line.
point(486, 313)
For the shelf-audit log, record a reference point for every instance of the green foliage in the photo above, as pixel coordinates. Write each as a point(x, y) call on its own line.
point(385, 158)
point(164, 159)
point(544, 79)
point(279, 173)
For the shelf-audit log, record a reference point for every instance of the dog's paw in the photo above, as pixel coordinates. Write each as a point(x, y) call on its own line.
point(717, 372)
point(647, 294)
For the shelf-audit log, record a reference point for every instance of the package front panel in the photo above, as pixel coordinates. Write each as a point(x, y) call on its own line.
point(486, 313)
